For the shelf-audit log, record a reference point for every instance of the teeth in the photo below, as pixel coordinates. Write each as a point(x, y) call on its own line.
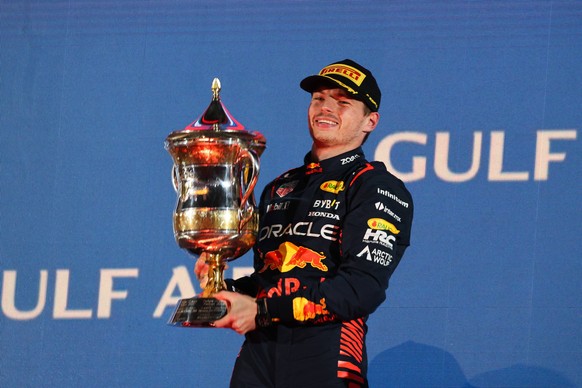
point(327, 122)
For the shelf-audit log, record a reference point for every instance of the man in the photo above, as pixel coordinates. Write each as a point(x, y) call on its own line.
point(331, 234)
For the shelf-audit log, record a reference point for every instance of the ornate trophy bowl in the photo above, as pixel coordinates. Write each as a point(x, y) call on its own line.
point(216, 167)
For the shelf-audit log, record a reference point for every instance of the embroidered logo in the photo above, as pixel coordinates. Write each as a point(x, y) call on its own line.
point(286, 188)
point(332, 186)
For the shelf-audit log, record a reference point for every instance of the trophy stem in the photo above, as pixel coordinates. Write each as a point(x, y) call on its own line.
point(215, 283)
point(202, 310)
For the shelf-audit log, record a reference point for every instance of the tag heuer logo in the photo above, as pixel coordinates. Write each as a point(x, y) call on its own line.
point(286, 188)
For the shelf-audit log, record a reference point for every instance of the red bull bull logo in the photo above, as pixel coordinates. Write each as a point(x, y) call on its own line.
point(290, 256)
point(313, 168)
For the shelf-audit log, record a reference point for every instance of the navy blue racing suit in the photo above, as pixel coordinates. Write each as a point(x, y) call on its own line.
point(331, 234)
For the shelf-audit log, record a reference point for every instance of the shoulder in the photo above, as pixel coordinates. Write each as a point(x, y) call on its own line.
point(373, 180)
point(286, 178)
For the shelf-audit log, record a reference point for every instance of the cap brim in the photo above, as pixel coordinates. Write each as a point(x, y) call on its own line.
point(314, 82)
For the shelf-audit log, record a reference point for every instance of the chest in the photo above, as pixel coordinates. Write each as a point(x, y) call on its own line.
point(306, 207)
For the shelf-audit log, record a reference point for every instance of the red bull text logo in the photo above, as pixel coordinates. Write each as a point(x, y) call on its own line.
point(290, 256)
point(304, 309)
point(349, 72)
point(332, 186)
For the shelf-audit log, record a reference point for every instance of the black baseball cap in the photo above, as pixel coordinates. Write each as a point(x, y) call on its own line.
point(350, 76)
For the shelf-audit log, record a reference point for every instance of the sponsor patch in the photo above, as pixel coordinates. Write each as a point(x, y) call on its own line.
point(288, 256)
point(376, 255)
point(286, 188)
point(328, 231)
point(349, 72)
point(349, 159)
point(277, 206)
point(388, 194)
point(304, 309)
point(374, 236)
point(326, 204)
point(383, 208)
point(313, 168)
point(332, 186)
point(381, 224)
point(323, 214)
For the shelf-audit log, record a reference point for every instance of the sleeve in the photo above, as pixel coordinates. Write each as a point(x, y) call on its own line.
point(375, 233)
point(244, 285)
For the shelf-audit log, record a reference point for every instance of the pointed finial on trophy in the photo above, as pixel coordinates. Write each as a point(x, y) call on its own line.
point(215, 89)
point(216, 117)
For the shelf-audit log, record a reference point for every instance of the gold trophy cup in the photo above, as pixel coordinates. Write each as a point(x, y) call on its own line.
point(216, 167)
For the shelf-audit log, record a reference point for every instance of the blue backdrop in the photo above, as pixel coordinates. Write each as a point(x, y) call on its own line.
point(481, 114)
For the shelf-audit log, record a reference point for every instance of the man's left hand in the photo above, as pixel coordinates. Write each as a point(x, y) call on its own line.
point(242, 311)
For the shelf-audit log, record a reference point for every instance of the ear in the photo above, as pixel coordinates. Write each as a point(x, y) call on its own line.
point(371, 121)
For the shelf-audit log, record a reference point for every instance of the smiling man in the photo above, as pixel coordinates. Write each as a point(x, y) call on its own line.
point(343, 109)
point(332, 232)
point(337, 122)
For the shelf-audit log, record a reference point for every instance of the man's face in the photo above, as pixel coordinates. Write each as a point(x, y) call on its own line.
point(338, 121)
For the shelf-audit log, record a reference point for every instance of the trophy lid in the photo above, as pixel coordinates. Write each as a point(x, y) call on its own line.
point(217, 122)
point(216, 117)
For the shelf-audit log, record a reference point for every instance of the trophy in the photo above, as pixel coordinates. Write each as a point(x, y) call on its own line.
point(216, 167)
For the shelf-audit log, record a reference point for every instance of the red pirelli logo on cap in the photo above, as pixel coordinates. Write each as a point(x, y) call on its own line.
point(349, 72)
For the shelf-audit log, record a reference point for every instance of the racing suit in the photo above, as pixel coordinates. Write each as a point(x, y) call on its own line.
point(331, 234)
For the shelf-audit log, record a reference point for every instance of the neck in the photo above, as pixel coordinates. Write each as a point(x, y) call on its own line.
point(321, 153)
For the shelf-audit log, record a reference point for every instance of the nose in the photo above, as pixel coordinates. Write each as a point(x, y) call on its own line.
point(326, 105)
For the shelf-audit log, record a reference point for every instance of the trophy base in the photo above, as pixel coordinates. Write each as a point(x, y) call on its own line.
point(198, 312)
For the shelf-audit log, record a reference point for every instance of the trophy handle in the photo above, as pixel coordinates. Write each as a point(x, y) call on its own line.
point(245, 211)
point(175, 179)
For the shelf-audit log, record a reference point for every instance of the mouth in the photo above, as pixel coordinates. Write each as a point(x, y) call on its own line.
point(326, 122)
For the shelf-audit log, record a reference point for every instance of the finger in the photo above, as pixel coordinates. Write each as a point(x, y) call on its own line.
point(225, 321)
point(224, 296)
point(199, 266)
point(203, 281)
